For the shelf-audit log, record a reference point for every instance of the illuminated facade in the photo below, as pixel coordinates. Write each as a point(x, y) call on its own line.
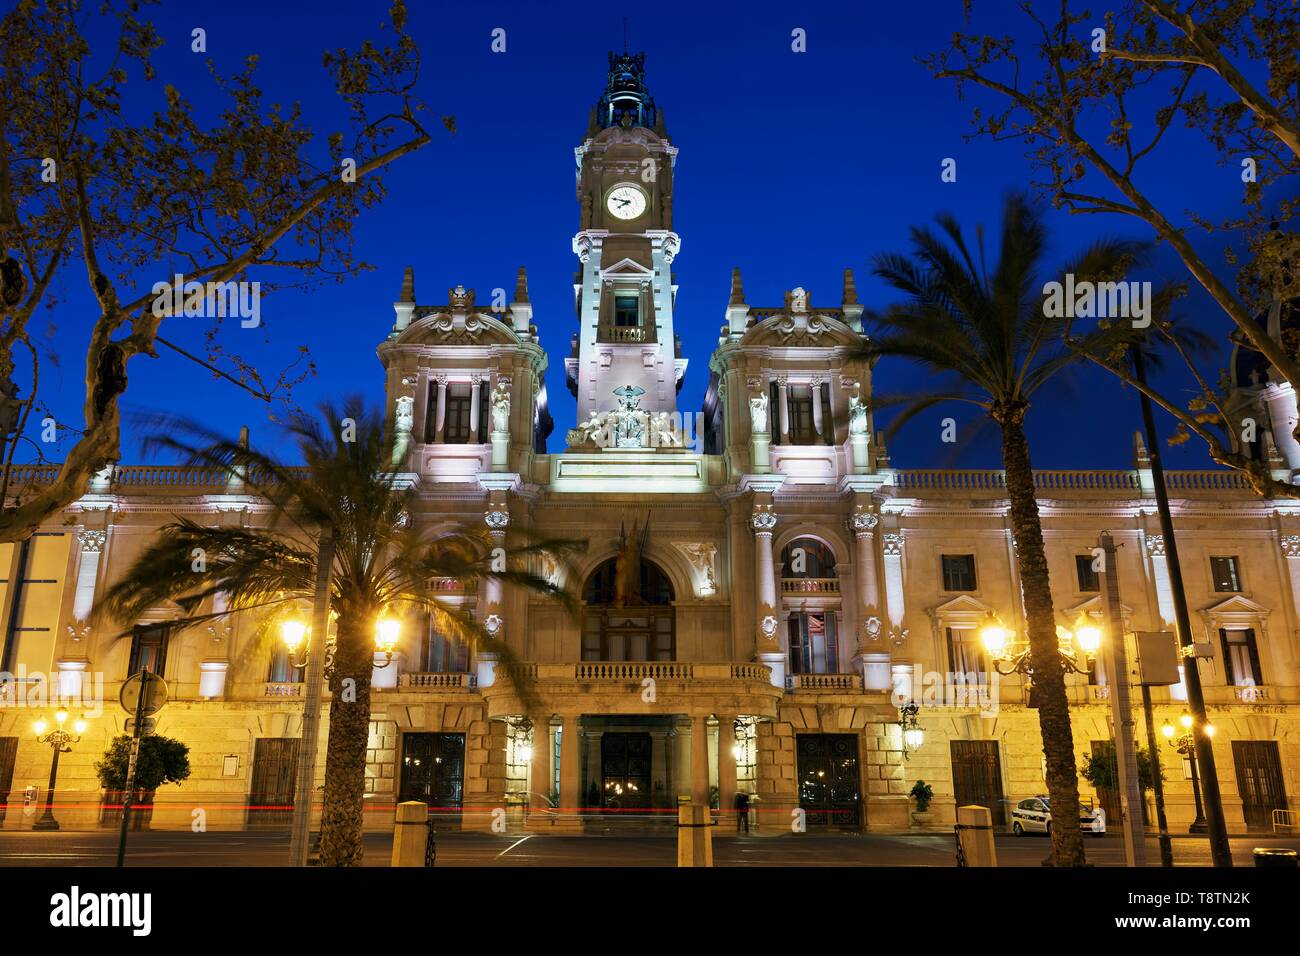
point(796, 587)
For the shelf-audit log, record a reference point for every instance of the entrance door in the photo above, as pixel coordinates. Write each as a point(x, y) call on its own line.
point(1259, 780)
point(830, 791)
point(275, 769)
point(433, 771)
point(977, 776)
point(625, 771)
point(8, 756)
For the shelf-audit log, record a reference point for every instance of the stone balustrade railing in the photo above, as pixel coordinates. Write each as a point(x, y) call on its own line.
point(283, 689)
point(936, 480)
point(810, 585)
point(849, 682)
point(631, 670)
point(438, 680)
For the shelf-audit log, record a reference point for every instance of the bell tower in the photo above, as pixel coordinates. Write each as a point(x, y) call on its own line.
point(624, 290)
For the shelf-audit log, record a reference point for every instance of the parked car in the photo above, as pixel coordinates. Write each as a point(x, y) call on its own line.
point(1035, 816)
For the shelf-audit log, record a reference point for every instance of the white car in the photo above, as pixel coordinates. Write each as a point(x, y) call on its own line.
point(1035, 816)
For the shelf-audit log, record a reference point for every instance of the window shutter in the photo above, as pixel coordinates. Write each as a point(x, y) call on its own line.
point(1253, 647)
point(1227, 656)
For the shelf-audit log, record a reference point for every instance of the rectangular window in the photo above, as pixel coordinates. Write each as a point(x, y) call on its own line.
point(443, 654)
point(965, 655)
point(1088, 580)
point(814, 644)
point(1224, 572)
point(455, 426)
point(281, 670)
point(1241, 657)
point(627, 313)
point(802, 431)
point(148, 649)
point(959, 572)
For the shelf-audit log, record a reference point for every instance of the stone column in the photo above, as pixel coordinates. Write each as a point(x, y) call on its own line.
point(540, 766)
point(474, 391)
point(726, 767)
point(681, 745)
point(863, 524)
point(440, 416)
point(763, 521)
point(591, 745)
point(570, 766)
point(700, 761)
point(783, 408)
point(892, 546)
point(497, 519)
point(816, 389)
point(1160, 572)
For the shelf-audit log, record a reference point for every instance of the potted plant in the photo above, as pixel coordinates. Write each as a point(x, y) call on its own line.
point(162, 760)
point(922, 793)
point(1101, 769)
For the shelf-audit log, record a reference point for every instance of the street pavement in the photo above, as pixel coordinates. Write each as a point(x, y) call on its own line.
point(627, 848)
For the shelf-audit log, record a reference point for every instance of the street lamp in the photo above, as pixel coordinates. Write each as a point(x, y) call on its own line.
point(294, 633)
point(388, 630)
point(1185, 744)
point(61, 742)
point(1077, 648)
point(913, 735)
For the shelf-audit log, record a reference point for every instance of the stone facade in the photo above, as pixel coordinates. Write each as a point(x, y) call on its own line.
point(806, 586)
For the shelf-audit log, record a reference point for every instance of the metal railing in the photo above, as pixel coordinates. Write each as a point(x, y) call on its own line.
point(1286, 820)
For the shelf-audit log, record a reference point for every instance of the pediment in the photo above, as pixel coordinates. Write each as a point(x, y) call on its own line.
point(816, 329)
point(961, 609)
point(1236, 605)
point(457, 328)
point(1092, 607)
point(627, 267)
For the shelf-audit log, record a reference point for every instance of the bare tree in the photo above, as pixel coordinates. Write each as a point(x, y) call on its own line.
point(252, 191)
point(1083, 94)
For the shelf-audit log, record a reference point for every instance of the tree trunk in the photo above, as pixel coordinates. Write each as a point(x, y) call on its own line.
point(1049, 675)
point(345, 753)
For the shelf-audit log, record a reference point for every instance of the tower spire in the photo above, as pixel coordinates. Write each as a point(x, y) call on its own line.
point(737, 290)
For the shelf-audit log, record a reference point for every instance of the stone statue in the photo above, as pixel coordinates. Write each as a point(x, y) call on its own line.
point(501, 407)
point(663, 431)
point(857, 413)
point(404, 417)
point(758, 413)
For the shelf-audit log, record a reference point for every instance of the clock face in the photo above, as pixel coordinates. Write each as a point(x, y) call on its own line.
point(625, 202)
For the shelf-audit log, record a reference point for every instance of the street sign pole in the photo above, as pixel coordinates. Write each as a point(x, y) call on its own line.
point(131, 767)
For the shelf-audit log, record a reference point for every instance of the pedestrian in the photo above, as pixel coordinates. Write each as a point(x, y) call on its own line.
point(742, 811)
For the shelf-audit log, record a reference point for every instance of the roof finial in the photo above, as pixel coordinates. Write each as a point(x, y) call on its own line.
point(737, 292)
point(521, 286)
point(408, 285)
point(850, 288)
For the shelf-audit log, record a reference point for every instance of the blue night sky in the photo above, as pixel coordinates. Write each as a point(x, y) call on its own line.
point(792, 166)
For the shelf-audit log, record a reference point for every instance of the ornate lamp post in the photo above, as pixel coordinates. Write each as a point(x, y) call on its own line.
point(1078, 648)
point(1185, 744)
point(913, 735)
point(61, 742)
point(388, 631)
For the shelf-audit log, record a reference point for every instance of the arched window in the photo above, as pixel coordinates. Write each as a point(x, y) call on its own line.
point(807, 559)
point(641, 630)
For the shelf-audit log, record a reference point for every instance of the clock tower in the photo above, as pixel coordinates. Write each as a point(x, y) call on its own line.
point(624, 290)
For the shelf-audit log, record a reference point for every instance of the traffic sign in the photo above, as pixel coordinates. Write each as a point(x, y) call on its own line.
point(147, 725)
point(155, 694)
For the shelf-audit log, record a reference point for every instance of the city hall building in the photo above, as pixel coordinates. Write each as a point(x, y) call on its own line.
point(795, 587)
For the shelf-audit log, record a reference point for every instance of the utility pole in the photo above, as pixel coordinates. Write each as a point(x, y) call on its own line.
point(1157, 783)
point(1220, 851)
point(304, 783)
point(1121, 708)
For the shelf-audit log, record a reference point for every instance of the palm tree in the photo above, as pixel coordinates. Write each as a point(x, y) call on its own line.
point(988, 334)
point(347, 494)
